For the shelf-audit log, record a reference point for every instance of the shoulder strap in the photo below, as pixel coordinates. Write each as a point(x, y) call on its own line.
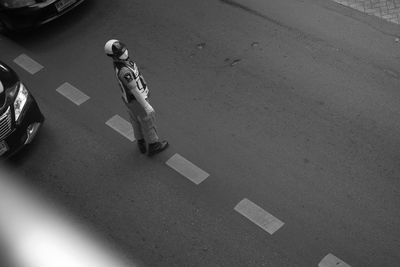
point(126, 94)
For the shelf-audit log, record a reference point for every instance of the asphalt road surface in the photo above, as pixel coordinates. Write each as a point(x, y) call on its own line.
point(290, 105)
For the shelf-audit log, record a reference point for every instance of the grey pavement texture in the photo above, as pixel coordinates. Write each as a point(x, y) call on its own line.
point(386, 9)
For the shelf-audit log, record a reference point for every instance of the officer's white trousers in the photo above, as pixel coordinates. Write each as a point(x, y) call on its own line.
point(144, 126)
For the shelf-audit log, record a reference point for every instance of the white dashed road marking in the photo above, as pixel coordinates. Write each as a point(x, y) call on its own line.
point(28, 64)
point(187, 169)
point(72, 93)
point(122, 126)
point(332, 261)
point(258, 216)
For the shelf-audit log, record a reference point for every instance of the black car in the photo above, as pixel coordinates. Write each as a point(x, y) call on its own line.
point(20, 116)
point(23, 14)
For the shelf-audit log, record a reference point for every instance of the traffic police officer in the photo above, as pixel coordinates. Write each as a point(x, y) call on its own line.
point(135, 96)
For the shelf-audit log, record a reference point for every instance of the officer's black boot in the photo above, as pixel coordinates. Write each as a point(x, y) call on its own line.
point(157, 147)
point(142, 145)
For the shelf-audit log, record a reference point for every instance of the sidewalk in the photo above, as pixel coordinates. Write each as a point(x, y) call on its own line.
point(386, 9)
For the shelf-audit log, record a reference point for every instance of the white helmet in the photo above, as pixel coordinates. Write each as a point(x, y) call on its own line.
point(115, 48)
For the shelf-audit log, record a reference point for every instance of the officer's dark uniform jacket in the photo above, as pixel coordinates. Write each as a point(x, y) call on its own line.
point(127, 71)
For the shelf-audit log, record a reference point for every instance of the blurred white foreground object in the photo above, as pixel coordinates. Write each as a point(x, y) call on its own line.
point(37, 234)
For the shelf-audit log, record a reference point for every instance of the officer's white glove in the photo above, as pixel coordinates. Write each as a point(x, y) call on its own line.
point(142, 101)
point(149, 111)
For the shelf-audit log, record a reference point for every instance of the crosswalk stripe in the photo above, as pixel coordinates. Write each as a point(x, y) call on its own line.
point(331, 260)
point(259, 216)
point(72, 93)
point(28, 64)
point(187, 169)
point(122, 126)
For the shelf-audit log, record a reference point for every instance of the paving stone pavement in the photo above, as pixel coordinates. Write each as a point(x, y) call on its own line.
point(386, 9)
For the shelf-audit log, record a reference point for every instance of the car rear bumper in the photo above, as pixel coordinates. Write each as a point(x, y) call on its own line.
point(30, 17)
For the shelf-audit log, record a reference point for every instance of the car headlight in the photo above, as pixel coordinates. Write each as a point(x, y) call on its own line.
point(18, 3)
point(20, 100)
